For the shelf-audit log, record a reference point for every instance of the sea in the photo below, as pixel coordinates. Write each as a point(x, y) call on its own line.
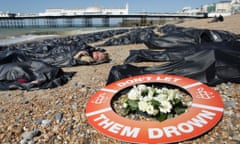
point(15, 35)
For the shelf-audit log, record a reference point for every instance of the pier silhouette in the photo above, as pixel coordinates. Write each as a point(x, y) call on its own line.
point(13, 21)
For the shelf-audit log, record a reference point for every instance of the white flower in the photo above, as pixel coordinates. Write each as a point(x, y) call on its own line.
point(159, 91)
point(150, 93)
point(141, 98)
point(161, 97)
point(142, 87)
point(151, 111)
point(149, 97)
point(133, 94)
point(165, 107)
point(165, 90)
point(125, 105)
point(172, 94)
point(155, 112)
point(178, 95)
point(146, 99)
point(142, 105)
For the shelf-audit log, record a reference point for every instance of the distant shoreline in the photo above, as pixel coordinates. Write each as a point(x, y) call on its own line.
point(24, 38)
point(41, 35)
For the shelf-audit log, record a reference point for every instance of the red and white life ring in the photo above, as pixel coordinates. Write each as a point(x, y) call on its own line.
point(205, 112)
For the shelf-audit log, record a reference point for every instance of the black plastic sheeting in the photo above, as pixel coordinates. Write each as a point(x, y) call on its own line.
point(28, 71)
point(177, 37)
point(207, 66)
point(176, 54)
point(210, 62)
point(209, 56)
point(134, 36)
point(20, 64)
point(56, 55)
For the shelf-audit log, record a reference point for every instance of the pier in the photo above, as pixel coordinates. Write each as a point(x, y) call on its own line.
point(90, 20)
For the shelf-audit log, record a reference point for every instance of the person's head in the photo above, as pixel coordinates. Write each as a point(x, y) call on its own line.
point(96, 57)
point(99, 56)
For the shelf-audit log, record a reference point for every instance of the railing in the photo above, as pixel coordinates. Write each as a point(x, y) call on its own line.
point(87, 20)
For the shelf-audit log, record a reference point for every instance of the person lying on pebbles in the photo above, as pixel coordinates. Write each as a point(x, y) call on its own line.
point(96, 56)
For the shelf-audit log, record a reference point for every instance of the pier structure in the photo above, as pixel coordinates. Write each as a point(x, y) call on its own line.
point(88, 17)
point(89, 20)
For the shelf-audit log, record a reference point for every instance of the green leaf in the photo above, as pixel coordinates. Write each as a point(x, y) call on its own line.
point(124, 100)
point(126, 111)
point(162, 117)
point(133, 104)
point(144, 93)
point(155, 103)
point(179, 110)
point(176, 100)
point(170, 115)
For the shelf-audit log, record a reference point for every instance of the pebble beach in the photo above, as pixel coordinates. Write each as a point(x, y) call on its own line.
point(58, 115)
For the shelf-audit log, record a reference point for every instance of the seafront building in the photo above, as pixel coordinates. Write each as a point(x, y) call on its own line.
point(235, 6)
point(221, 8)
point(93, 10)
point(224, 8)
point(3, 14)
point(71, 17)
point(101, 16)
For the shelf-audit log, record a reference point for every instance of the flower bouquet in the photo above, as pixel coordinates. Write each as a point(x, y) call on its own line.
point(160, 103)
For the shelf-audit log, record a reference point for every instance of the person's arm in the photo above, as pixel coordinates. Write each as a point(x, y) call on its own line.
point(83, 56)
point(80, 53)
point(87, 59)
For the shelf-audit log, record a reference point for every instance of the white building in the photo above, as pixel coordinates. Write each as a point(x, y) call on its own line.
point(190, 11)
point(224, 8)
point(93, 10)
point(235, 6)
point(3, 14)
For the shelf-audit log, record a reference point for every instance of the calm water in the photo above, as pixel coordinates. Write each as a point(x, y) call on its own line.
point(14, 35)
point(11, 32)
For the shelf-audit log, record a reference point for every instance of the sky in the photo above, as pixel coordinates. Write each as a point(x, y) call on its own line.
point(163, 6)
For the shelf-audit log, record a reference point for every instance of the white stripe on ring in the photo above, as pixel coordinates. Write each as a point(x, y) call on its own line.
point(109, 90)
point(207, 107)
point(98, 111)
point(191, 85)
